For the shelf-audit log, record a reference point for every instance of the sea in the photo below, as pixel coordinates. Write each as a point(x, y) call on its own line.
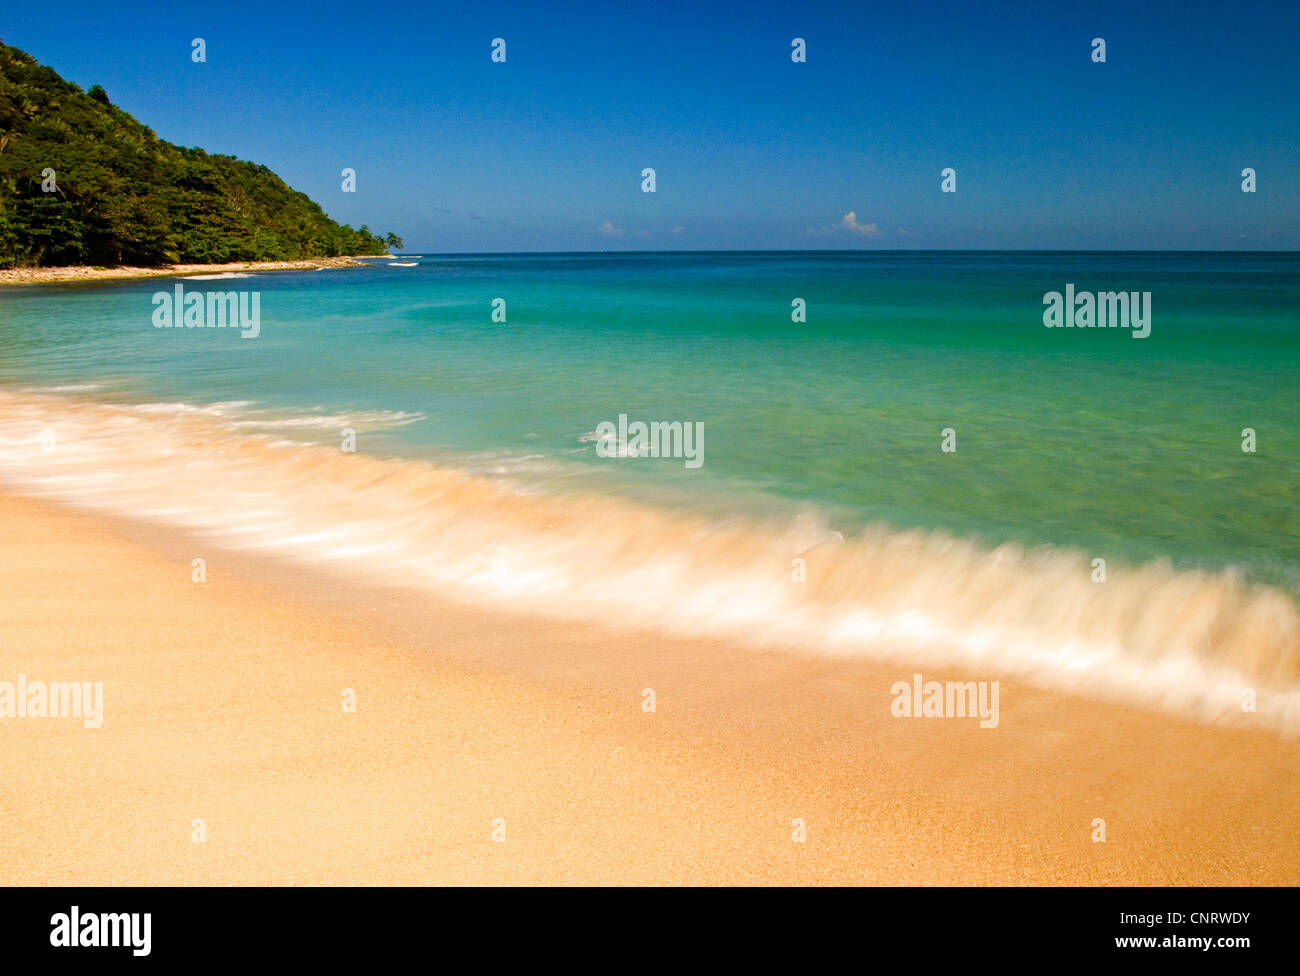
point(891, 455)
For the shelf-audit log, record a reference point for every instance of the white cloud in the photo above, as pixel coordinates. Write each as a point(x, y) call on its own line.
point(849, 222)
point(609, 230)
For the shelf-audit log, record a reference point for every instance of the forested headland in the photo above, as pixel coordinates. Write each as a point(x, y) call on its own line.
point(83, 182)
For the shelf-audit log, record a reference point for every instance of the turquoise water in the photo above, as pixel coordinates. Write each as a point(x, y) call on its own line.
point(1083, 438)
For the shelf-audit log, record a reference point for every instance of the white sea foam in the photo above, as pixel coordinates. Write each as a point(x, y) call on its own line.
point(65, 388)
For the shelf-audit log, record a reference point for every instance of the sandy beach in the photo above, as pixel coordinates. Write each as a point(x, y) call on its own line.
point(45, 276)
point(223, 704)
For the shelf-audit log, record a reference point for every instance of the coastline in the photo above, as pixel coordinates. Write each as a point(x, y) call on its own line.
point(44, 276)
point(222, 703)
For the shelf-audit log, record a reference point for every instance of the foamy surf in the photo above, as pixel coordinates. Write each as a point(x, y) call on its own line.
point(245, 415)
point(1187, 642)
point(63, 388)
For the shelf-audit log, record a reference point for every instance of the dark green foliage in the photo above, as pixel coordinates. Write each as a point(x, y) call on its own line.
point(127, 197)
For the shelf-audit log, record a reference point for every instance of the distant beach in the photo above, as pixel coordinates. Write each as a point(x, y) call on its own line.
point(42, 276)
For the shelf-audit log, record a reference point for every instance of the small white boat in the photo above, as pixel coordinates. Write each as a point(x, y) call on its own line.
point(402, 264)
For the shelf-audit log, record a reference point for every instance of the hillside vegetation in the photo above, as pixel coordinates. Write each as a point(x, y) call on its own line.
point(124, 196)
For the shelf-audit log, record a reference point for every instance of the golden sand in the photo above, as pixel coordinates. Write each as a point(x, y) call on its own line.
point(223, 703)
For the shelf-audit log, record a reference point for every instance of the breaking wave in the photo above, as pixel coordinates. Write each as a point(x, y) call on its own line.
point(1152, 635)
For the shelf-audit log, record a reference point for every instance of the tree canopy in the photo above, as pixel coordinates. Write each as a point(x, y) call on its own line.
point(123, 196)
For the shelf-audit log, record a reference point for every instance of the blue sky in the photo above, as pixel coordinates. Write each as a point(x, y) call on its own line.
point(751, 150)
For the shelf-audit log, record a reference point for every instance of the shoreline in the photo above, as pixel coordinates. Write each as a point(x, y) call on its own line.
point(44, 276)
point(587, 555)
point(222, 703)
